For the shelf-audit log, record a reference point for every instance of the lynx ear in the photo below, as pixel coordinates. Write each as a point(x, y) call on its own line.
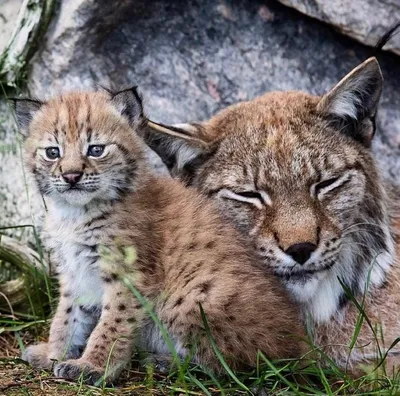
point(129, 103)
point(25, 110)
point(183, 147)
point(352, 104)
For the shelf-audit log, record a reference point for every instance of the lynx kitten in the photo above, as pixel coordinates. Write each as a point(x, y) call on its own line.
point(89, 165)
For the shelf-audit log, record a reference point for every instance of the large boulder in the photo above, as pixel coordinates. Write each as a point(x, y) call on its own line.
point(364, 20)
point(9, 10)
point(191, 59)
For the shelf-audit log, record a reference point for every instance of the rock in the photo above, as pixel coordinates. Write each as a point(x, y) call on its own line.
point(363, 20)
point(192, 60)
point(33, 19)
point(8, 15)
point(16, 209)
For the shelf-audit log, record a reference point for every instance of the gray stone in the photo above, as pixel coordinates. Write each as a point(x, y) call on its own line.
point(364, 20)
point(16, 209)
point(8, 16)
point(194, 58)
point(191, 59)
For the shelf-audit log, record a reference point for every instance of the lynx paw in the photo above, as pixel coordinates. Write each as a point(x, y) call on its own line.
point(76, 370)
point(38, 356)
point(160, 363)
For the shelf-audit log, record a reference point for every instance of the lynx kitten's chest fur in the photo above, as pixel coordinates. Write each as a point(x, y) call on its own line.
point(295, 173)
point(113, 228)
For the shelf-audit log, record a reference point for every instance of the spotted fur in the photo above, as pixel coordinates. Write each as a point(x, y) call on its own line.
point(186, 254)
point(295, 171)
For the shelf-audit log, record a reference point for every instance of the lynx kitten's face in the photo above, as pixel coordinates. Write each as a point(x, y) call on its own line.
point(80, 149)
point(295, 172)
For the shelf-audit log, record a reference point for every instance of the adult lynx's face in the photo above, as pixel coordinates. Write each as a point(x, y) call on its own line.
point(80, 146)
point(295, 173)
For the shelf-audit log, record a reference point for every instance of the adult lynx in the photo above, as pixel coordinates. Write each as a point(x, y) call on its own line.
point(296, 174)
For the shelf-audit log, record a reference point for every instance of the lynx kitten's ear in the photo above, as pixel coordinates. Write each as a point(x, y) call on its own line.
point(25, 110)
point(129, 103)
point(352, 104)
point(183, 147)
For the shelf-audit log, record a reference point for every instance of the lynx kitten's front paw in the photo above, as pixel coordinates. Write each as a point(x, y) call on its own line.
point(37, 356)
point(79, 369)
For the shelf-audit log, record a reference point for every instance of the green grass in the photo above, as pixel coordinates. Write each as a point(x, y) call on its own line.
point(272, 378)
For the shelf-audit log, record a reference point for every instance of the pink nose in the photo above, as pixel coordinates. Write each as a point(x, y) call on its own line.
point(72, 177)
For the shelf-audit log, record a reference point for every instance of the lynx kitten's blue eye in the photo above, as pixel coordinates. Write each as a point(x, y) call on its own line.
point(95, 150)
point(52, 153)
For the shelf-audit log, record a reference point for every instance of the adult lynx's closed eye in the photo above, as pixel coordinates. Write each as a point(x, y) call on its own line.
point(256, 198)
point(325, 183)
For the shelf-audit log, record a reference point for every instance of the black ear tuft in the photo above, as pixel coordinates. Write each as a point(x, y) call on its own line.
point(25, 110)
point(129, 103)
point(391, 32)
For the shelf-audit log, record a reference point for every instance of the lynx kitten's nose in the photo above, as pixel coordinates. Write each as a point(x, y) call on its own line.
point(301, 252)
point(72, 177)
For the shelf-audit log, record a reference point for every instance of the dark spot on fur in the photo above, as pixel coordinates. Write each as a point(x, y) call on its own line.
point(106, 279)
point(188, 278)
point(65, 322)
point(182, 270)
point(104, 336)
point(122, 307)
point(385, 284)
point(118, 320)
point(217, 329)
point(172, 320)
point(204, 287)
point(210, 245)
point(107, 307)
point(68, 310)
point(192, 246)
point(178, 302)
point(131, 320)
point(112, 329)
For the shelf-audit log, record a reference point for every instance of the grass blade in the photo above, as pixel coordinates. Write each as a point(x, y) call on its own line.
point(218, 353)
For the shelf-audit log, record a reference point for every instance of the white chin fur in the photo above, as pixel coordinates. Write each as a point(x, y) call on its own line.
point(320, 295)
point(77, 198)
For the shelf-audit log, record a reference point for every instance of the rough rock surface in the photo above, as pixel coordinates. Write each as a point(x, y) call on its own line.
point(8, 15)
point(191, 59)
point(16, 208)
point(364, 20)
